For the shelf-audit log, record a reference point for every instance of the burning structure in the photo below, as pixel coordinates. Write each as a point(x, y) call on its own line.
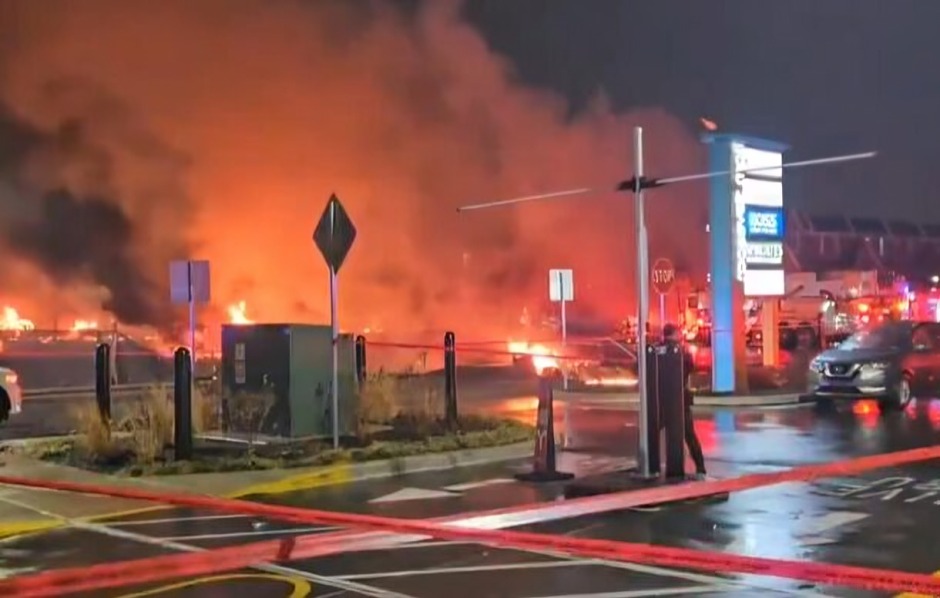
point(132, 135)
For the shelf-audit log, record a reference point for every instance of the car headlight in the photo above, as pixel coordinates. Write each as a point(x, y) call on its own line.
point(816, 365)
point(876, 366)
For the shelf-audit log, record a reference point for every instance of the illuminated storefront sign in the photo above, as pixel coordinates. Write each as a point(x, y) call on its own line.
point(763, 223)
point(765, 254)
point(759, 220)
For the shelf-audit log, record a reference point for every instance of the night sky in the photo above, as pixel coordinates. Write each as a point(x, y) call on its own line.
point(827, 77)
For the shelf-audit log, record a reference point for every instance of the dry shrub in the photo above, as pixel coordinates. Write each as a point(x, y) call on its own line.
point(206, 406)
point(94, 436)
point(150, 424)
point(378, 399)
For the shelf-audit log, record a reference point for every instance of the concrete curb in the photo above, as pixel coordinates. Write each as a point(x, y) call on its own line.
point(346, 473)
point(238, 484)
point(630, 401)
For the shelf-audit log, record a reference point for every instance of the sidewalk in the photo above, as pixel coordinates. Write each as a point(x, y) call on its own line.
point(629, 401)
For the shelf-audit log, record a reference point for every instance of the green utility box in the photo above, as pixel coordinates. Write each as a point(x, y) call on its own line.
point(296, 362)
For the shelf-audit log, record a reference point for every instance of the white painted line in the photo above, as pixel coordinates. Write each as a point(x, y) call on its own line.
point(477, 569)
point(412, 494)
point(642, 593)
point(251, 534)
point(166, 544)
point(483, 484)
point(172, 520)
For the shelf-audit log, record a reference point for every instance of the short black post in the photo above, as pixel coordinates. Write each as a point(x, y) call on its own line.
point(450, 380)
point(361, 358)
point(653, 420)
point(672, 406)
point(103, 382)
point(182, 405)
point(543, 459)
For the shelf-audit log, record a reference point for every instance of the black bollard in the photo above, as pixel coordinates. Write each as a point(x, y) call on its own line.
point(672, 408)
point(103, 382)
point(450, 380)
point(182, 405)
point(361, 358)
point(653, 421)
point(544, 467)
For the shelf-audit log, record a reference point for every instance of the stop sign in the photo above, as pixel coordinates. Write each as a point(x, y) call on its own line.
point(663, 274)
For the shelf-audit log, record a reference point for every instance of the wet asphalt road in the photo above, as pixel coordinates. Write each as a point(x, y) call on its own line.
point(886, 518)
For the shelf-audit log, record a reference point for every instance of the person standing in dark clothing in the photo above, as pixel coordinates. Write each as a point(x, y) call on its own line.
point(672, 337)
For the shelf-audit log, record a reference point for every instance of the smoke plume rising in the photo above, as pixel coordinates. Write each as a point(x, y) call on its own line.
point(147, 131)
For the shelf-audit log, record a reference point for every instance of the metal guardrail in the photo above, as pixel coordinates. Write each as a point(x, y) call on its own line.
point(118, 390)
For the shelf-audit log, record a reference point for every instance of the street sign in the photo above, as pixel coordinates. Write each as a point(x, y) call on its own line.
point(334, 234)
point(561, 285)
point(189, 281)
point(334, 237)
point(664, 275)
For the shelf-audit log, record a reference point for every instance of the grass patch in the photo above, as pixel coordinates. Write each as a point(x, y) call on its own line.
point(397, 417)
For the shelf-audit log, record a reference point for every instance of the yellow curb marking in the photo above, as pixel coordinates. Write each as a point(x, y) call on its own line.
point(300, 587)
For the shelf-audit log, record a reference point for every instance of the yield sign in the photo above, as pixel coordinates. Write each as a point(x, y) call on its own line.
point(335, 234)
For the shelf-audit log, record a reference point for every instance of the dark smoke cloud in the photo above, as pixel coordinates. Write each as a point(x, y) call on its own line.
point(64, 210)
point(275, 104)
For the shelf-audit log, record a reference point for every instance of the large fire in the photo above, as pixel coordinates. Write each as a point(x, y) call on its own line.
point(12, 320)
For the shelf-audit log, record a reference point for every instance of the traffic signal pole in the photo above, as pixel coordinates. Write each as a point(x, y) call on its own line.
point(642, 304)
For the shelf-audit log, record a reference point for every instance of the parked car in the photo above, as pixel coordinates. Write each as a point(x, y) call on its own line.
point(11, 394)
point(893, 362)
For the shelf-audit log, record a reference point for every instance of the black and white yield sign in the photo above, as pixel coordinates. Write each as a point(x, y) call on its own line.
point(334, 234)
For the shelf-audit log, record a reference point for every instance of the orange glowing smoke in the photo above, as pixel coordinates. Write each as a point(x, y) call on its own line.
point(12, 321)
point(238, 313)
point(414, 115)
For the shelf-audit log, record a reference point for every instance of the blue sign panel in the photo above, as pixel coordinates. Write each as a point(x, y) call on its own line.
point(763, 223)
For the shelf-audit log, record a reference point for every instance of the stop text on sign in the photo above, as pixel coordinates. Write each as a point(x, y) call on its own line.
point(663, 274)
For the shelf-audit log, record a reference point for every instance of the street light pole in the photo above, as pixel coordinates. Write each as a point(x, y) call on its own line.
point(642, 303)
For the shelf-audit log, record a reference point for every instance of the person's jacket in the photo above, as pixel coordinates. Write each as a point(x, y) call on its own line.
point(688, 367)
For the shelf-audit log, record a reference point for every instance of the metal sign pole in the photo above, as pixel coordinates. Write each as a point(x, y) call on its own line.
point(564, 329)
point(662, 313)
point(642, 278)
point(334, 323)
point(192, 318)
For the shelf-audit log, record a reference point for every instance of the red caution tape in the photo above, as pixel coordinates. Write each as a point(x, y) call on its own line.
point(511, 516)
point(837, 575)
point(151, 570)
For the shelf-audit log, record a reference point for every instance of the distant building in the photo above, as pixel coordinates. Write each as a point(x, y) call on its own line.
point(822, 243)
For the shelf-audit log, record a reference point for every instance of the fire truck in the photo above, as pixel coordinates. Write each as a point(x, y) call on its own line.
point(817, 309)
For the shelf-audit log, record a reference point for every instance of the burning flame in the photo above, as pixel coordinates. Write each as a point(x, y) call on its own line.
point(542, 357)
point(80, 325)
point(13, 321)
point(238, 313)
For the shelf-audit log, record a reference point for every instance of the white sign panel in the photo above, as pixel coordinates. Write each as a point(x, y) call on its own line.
point(189, 280)
point(561, 285)
point(759, 221)
point(766, 254)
